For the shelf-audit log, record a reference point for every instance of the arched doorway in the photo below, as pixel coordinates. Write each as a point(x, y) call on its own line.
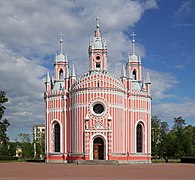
point(98, 148)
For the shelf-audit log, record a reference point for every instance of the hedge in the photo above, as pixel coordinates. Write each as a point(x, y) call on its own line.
point(35, 160)
point(188, 160)
point(8, 158)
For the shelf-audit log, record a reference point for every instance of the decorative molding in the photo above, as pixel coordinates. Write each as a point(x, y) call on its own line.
point(99, 125)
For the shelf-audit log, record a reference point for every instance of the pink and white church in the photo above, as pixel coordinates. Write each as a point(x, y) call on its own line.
point(98, 116)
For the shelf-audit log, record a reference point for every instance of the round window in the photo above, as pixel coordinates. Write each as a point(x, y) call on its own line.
point(98, 109)
point(98, 57)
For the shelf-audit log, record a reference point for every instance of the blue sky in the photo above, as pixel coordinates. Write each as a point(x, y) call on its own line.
point(29, 41)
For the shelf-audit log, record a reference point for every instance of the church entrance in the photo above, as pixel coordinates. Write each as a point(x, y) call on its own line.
point(98, 148)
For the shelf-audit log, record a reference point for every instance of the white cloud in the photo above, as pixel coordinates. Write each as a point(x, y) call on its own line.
point(162, 82)
point(29, 33)
point(23, 81)
point(165, 104)
point(32, 27)
point(185, 8)
point(168, 111)
point(179, 66)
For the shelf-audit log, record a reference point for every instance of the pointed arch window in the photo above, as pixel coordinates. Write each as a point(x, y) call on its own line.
point(98, 66)
point(61, 74)
point(134, 75)
point(139, 137)
point(57, 137)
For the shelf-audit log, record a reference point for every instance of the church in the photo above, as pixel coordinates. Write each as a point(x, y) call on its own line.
point(98, 116)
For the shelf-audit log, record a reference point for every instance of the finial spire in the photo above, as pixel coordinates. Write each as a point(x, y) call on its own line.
point(97, 31)
point(133, 42)
point(97, 22)
point(97, 19)
point(73, 71)
point(148, 78)
point(67, 73)
point(61, 41)
point(47, 78)
point(123, 72)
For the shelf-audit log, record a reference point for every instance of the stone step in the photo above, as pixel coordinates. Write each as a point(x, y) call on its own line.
point(97, 162)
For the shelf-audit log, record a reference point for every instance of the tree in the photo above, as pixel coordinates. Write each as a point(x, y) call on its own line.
point(189, 138)
point(160, 131)
point(155, 122)
point(179, 137)
point(4, 123)
point(174, 143)
point(24, 137)
point(39, 144)
point(25, 145)
point(164, 130)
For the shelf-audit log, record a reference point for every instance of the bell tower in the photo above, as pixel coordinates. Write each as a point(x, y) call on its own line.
point(134, 63)
point(60, 67)
point(97, 50)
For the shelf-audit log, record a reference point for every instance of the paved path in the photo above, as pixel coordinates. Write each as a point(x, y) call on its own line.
point(26, 170)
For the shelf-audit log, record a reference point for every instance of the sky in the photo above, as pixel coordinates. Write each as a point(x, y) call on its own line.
point(29, 40)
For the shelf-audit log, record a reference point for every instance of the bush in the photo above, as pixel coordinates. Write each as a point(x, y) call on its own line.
point(188, 160)
point(8, 158)
point(36, 160)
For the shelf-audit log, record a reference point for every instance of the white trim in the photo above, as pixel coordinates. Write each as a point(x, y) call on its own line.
point(105, 145)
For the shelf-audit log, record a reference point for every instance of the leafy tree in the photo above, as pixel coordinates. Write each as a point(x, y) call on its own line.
point(164, 130)
point(189, 139)
point(179, 124)
point(174, 143)
point(193, 143)
point(39, 145)
point(178, 133)
point(159, 133)
point(155, 122)
point(24, 137)
point(27, 150)
point(25, 144)
point(4, 123)
point(12, 148)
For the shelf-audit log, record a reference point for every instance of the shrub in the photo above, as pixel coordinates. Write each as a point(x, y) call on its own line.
point(188, 160)
point(8, 158)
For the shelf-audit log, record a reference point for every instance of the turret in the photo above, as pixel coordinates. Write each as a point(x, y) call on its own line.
point(124, 76)
point(60, 64)
point(129, 76)
point(47, 83)
point(143, 85)
point(97, 50)
point(135, 62)
point(60, 67)
point(72, 76)
point(148, 82)
point(66, 86)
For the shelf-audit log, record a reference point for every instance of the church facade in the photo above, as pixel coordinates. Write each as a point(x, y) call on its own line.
point(98, 116)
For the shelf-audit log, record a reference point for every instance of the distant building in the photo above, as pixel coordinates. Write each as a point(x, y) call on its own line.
point(39, 139)
point(38, 130)
point(18, 151)
point(98, 116)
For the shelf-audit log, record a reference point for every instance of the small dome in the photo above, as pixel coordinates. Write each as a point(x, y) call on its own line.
point(133, 58)
point(97, 43)
point(60, 57)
